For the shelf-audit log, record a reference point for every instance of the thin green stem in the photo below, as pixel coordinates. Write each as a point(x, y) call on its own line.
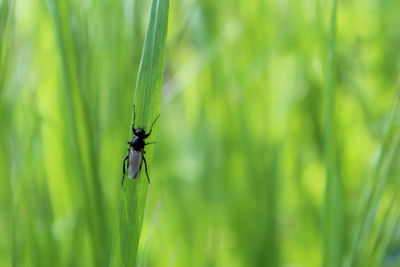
point(333, 211)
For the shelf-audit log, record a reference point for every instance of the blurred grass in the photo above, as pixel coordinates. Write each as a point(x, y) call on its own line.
point(245, 171)
point(7, 215)
point(76, 63)
point(380, 216)
point(333, 213)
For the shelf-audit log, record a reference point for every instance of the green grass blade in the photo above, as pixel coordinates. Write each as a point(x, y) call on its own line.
point(147, 100)
point(333, 196)
point(5, 13)
point(8, 253)
point(79, 118)
point(374, 206)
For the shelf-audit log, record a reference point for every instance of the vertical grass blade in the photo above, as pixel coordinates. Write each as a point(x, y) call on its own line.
point(8, 249)
point(147, 98)
point(5, 12)
point(74, 52)
point(371, 229)
point(333, 195)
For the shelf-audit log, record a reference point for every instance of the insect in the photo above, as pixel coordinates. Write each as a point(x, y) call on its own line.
point(133, 161)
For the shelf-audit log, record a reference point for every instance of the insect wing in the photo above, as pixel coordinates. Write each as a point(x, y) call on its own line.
point(135, 161)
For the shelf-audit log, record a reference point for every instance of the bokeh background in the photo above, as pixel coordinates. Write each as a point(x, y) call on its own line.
point(238, 176)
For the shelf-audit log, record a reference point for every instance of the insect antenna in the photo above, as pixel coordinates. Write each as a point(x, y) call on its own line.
point(134, 119)
point(151, 128)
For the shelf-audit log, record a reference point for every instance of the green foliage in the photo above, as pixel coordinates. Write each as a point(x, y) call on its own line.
point(278, 142)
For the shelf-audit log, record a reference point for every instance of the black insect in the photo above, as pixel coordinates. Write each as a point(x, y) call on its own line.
point(136, 151)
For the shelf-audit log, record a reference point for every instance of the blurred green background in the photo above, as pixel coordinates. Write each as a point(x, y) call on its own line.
point(244, 145)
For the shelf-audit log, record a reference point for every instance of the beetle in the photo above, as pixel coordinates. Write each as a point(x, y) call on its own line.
point(135, 158)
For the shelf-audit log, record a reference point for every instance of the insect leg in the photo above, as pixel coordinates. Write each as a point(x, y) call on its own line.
point(151, 143)
point(124, 169)
point(145, 168)
point(151, 128)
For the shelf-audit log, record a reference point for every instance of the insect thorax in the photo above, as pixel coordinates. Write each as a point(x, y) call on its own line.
point(137, 143)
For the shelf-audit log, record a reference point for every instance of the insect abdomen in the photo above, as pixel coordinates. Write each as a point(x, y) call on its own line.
point(135, 161)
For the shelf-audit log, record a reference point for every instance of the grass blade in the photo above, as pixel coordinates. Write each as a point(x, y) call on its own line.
point(5, 14)
point(147, 99)
point(374, 206)
point(79, 118)
point(333, 215)
point(7, 197)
